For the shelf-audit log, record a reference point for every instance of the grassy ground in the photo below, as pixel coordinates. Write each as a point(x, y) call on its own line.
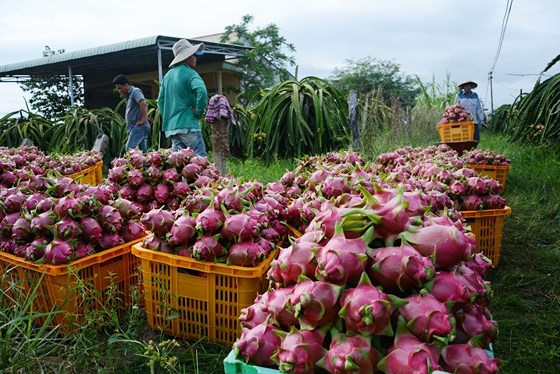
point(526, 287)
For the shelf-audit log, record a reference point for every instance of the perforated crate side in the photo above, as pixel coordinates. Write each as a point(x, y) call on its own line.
point(456, 131)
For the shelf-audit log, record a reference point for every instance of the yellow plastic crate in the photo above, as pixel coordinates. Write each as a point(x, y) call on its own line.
point(80, 286)
point(92, 176)
point(487, 225)
point(456, 131)
point(496, 172)
point(192, 299)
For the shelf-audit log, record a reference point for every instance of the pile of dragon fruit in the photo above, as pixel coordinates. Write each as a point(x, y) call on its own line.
point(455, 113)
point(20, 164)
point(56, 220)
point(439, 168)
point(485, 157)
point(378, 282)
point(233, 223)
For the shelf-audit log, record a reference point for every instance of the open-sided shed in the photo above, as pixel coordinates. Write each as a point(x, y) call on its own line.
point(145, 61)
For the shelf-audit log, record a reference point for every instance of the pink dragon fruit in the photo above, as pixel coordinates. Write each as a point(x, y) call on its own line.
point(91, 230)
point(21, 230)
point(366, 310)
point(135, 177)
point(258, 344)
point(476, 186)
point(83, 250)
point(127, 208)
point(399, 268)
point(109, 218)
point(246, 253)
point(145, 193)
point(446, 245)
point(159, 221)
point(493, 202)
point(208, 248)
point(409, 352)
point(156, 244)
point(476, 321)
point(240, 227)
point(314, 303)
point(471, 202)
point(479, 264)
point(171, 176)
point(153, 174)
point(161, 193)
point(67, 229)
point(132, 230)
point(277, 304)
point(427, 318)
point(465, 358)
point(342, 261)
point(181, 189)
point(449, 288)
point(350, 354)
point(59, 251)
point(299, 350)
point(182, 230)
point(111, 240)
point(210, 220)
point(394, 217)
point(298, 259)
point(255, 313)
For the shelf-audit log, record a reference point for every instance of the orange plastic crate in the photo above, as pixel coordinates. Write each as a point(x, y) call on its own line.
point(496, 172)
point(456, 131)
point(487, 225)
point(92, 176)
point(192, 299)
point(80, 286)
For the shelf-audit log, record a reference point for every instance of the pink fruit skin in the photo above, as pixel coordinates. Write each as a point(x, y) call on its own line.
point(298, 259)
point(300, 351)
point(464, 358)
point(399, 268)
point(409, 352)
point(258, 344)
point(426, 317)
point(315, 303)
point(350, 354)
point(366, 310)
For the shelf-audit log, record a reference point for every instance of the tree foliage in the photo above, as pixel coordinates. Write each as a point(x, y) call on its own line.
point(49, 94)
point(266, 63)
point(370, 73)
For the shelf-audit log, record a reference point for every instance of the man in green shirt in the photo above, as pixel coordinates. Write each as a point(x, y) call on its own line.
point(183, 98)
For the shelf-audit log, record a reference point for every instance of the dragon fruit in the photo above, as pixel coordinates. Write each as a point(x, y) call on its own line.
point(399, 268)
point(162, 193)
point(132, 230)
point(246, 253)
point(493, 202)
point(299, 350)
point(277, 304)
point(182, 230)
point(67, 229)
point(446, 245)
point(298, 259)
point(159, 221)
point(314, 303)
point(208, 248)
point(127, 208)
point(366, 310)
point(111, 240)
point(210, 220)
point(471, 202)
point(153, 174)
point(21, 230)
point(409, 352)
point(255, 313)
point(58, 252)
point(427, 318)
point(170, 176)
point(450, 289)
point(145, 193)
point(350, 354)
point(109, 218)
point(465, 358)
point(240, 227)
point(479, 264)
point(36, 249)
point(476, 321)
point(181, 189)
point(342, 261)
point(258, 344)
point(135, 177)
point(83, 250)
point(91, 230)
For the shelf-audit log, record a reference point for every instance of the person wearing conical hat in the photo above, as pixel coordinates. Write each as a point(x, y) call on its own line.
point(182, 99)
point(470, 100)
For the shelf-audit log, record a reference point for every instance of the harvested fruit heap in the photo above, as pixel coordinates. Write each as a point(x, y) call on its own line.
point(455, 113)
point(485, 157)
point(56, 220)
point(21, 164)
point(384, 277)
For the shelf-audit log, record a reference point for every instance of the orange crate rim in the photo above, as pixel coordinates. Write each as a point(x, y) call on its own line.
point(486, 212)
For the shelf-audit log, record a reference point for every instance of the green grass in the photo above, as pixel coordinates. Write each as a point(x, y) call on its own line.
point(526, 284)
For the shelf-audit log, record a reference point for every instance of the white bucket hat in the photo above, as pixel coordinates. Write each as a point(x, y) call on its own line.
point(468, 82)
point(182, 50)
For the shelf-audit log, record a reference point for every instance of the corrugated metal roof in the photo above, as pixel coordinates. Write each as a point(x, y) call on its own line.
point(141, 55)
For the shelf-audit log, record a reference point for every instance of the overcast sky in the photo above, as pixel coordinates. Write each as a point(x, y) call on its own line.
point(430, 38)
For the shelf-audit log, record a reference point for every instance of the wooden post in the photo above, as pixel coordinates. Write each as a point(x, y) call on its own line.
point(353, 118)
point(220, 144)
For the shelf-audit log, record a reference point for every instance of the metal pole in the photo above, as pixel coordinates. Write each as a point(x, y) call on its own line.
point(160, 77)
point(491, 94)
point(70, 85)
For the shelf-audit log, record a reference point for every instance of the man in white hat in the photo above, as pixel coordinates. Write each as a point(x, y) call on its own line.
point(472, 104)
point(183, 98)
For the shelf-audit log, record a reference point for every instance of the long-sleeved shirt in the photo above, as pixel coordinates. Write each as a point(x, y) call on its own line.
point(472, 105)
point(182, 100)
